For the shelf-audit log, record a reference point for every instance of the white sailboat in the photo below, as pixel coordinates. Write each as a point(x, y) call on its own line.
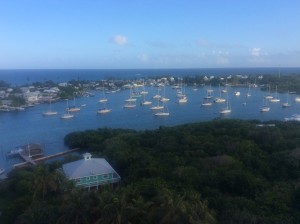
point(265, 107)
point(164, 98)
point(157, 107)
point(67, 115)
point(131, 99)
point(219, 99)
point(209, 92)
point(130, 105)
point(287, 103)
point(163, 113)
point(297, 99)
point(144, 92)
point(104, 111)
point(275, 99)
point(157, 96)
point(73, 108)
point(227, 109)
point(50, 112)
point(248, 94)
point(225, 89)
point(182, 99)
point(145, 102)
point(103, 99)
point(237, 93)
point(269, 96)
point(206, 103)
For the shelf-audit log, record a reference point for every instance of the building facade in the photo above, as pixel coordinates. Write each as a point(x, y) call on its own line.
point(90, 172)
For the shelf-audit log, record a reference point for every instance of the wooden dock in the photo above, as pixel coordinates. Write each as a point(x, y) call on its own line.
point(29, 160)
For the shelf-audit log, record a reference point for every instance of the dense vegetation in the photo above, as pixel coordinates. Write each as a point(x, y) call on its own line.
point(224, 171)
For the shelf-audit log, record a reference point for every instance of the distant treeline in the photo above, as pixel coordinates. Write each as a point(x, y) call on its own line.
point(284, 83)
point(223, 171)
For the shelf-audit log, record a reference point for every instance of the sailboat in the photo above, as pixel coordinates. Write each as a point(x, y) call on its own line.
point(237, 93)
point(227, 109)
point(287, 103)
point(145, 102)
point(275, 99)
point(182, 99)
point(265, 107)
point(73, 108)
point(130, 103)
point(269, 96)
point(208, 93)
point(131, 99)
point(219, 99)
point(225, 90)
point(50, 112)
point(104, 111)
point(67, 115)
point(163, 113)
point(248, 94)
point(144, 92)
point(164, 98)
point(157, 107)
point(157, 96)
point(103, 99)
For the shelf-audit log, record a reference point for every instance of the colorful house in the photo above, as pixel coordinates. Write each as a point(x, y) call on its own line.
point(90, 172)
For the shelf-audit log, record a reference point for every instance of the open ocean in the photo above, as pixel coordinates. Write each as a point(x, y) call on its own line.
point(27, 76)
point(20, 128)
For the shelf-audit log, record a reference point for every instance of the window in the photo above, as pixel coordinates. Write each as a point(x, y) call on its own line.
point(105, 176)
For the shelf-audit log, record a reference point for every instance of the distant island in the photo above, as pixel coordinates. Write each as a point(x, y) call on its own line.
point(20, 97)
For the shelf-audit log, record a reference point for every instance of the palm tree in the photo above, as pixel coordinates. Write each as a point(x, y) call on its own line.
point(43, 181)
point(75, 208)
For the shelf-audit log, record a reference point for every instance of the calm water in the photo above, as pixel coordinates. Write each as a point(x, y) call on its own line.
point(19, 128)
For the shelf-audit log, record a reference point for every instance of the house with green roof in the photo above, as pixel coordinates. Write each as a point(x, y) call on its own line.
point(90, 172)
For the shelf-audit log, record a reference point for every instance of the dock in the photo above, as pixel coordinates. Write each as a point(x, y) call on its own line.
point(27, 159)
point(30, 161)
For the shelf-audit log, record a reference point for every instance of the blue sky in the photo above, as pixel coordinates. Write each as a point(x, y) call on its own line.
point(149, 34)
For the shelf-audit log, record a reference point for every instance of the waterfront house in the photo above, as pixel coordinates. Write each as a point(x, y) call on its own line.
point(32, 97)
point(90, 172)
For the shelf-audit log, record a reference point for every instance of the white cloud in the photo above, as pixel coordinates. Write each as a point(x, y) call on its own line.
point(256, 52)
point(119, 39)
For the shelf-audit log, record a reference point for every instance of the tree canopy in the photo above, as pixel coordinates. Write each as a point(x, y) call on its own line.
point(223, 171)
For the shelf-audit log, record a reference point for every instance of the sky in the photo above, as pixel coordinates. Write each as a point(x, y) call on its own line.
point(117, 34)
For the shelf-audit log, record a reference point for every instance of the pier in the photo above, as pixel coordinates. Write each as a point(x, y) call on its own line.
point(30, 161)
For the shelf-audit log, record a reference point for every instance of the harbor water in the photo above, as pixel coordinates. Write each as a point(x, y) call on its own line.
point(22, 127)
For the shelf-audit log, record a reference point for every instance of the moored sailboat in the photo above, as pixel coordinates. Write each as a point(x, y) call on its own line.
point(287, 103)
point(275, 99)
point(50, 112)
point(227, 109)
point(164, 112)
point(67, 115)
point(265, 107)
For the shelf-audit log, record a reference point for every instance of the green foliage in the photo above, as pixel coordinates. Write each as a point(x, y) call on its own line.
point(224, 171)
